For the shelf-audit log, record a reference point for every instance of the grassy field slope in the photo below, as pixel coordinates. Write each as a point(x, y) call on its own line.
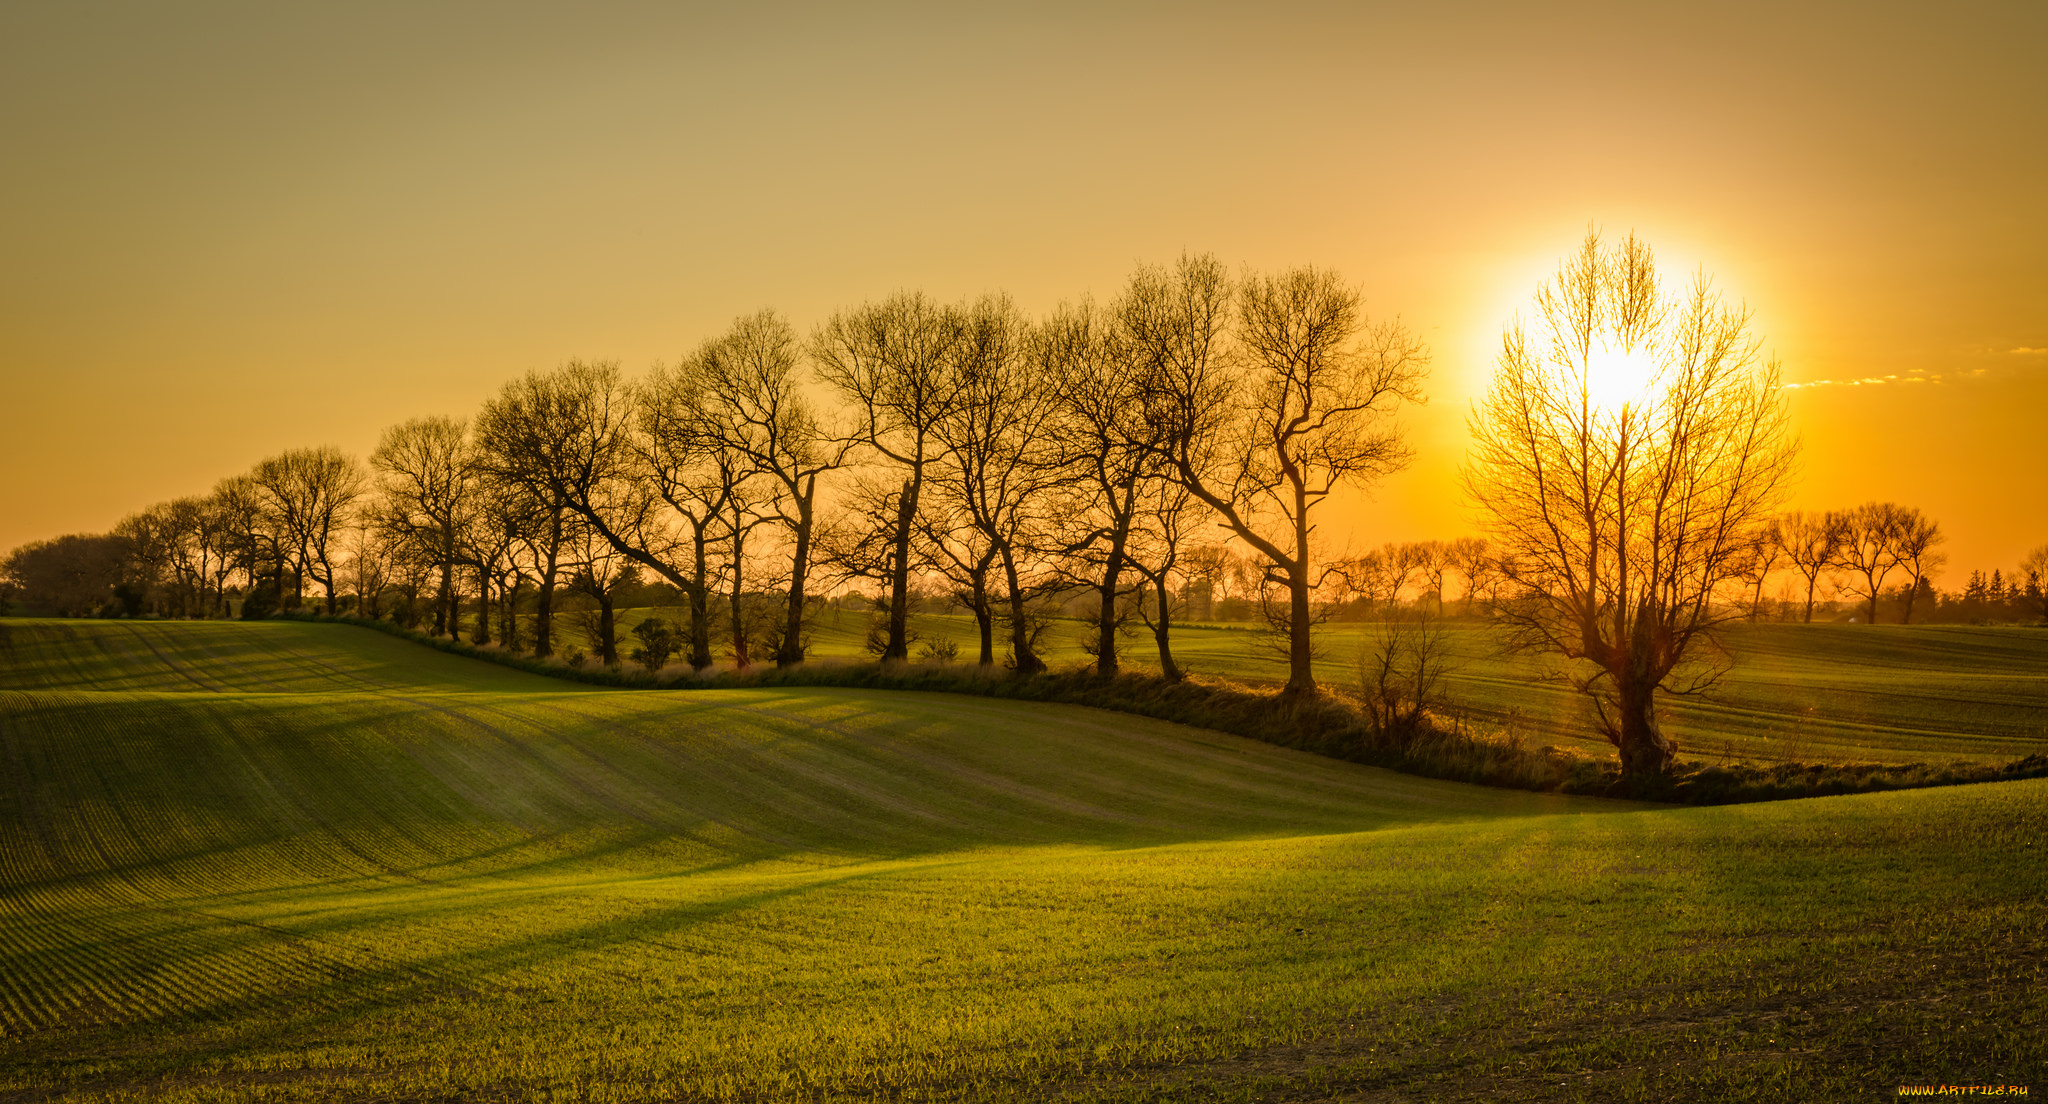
point(424, 889)
point(1798, 693)
point(234, 656)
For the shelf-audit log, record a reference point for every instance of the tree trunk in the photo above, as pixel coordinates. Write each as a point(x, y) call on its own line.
point(482, 635)
point(1301, 679)
point(700, 605)
point(735, 603)
point(792, 651)
point(508, 614)
point(1168, 670)
point(985, 620)
point(544, 599)
point(1105, 628)
point(1645, 751)
point(898, 645)
point(607, 630)
point(1028, 662)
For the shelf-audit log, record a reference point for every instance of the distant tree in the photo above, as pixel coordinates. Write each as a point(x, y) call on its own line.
point(621, 459)
point(69, 576)
point(1207, 580)
point(427, 490)
point(1380, 575)
point(600, 572)
point(1870, 549)
point(1626, 452)
point(532, 514)
point(1434, 560)
point(1168, 516)
point(1263, 436)
point(251, 542)
point(148, 544)
point(311, 492)
point(1761, 556)
point(1917, 537)
point(2034, 571)
point(962, 554)
point(1474, 560)
point(1813, 545)
point(370, 558)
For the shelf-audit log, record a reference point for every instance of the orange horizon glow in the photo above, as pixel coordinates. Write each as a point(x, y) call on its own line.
point(251, 230)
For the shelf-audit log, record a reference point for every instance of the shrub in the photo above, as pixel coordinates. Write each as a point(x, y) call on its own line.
point(658, 641)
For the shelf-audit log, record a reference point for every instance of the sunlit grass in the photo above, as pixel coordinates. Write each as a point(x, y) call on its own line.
point(420, 891)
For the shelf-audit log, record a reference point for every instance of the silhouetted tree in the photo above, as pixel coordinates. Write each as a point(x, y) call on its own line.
point(1813, 545)
point(70, 576)
point(427, 489)
point(891, 361)
point(1265, 436)
point(999, 462)
point(1870, 549)
point(757, 408)
point(1619, 518)
point(1917, 537)
point(311, 491)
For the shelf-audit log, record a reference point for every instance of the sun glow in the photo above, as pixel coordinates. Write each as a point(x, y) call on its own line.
point(1618, 378)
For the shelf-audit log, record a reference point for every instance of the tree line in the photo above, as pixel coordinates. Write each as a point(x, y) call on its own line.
point(1165, 454)
point(1007, 462)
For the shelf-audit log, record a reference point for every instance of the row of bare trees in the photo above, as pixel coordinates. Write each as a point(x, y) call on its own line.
point(1862, 547)
point(1629, 463)
point(906, 443)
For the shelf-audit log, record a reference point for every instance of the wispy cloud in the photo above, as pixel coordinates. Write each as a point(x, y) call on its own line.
point(1917, 375)
point(2024, 351)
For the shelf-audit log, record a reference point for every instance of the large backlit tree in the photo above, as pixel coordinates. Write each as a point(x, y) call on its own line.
point(1631, 445)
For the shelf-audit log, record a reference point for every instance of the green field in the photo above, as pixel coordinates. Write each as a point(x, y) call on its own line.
point(292, 861)
point(1792, 693)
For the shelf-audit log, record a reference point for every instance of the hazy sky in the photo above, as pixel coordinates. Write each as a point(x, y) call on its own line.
point(227, 229)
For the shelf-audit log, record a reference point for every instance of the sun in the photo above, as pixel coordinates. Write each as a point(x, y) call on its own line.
point(1617, 377)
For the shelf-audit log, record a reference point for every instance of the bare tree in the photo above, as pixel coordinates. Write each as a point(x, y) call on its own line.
point(1765, 550)
point(1263, 438)
point(890, 361)
point(1380, 575)
point(623, 461)
point(962, 554)
point(1473, 559)
point(1168, 515)
point(1918, 536)
point(757, 409)
point(1208, 579)
point(1105, 441)
point(310, 491)
point(1624, 455)
point(1812, 543)
point(252, 541)
point(1869, 549)
point(426, 484)
point(2033, 570)
point(370, 563)
point(1433, 562)
point(999, 462)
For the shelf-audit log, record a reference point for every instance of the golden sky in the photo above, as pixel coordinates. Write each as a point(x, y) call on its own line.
point(232, 228)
